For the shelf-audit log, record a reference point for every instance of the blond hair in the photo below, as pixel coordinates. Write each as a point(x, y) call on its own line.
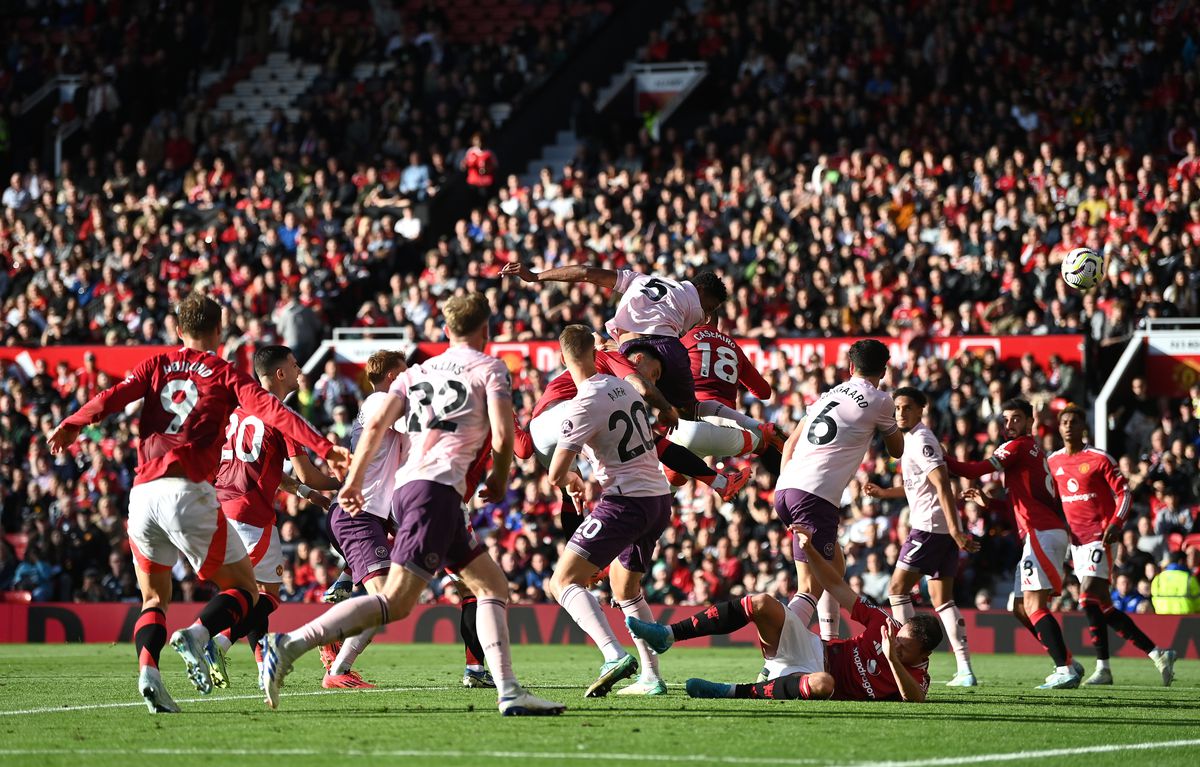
point(466, 314)
point(381, 363)
point(577, 342)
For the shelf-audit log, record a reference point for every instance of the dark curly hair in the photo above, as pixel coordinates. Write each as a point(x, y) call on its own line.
point(709, 284)
point(927, 630)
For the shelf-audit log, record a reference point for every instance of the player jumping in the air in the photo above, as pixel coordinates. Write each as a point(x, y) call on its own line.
point(1043, 527)
point(188, 395)
point(448, 404)
point(1095, 497)
point(608, 422)
point(822, 456)
point(932, 546)
point(887, 661)
point(250, 475)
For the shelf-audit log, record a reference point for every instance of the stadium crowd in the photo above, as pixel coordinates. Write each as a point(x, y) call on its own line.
point(856, 181)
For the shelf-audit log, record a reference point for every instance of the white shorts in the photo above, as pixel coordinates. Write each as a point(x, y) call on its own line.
point(800, 651)
point(1041, 564)
point(266, 552)
point(1092, 560)
point(172, 516)
point(545, 431)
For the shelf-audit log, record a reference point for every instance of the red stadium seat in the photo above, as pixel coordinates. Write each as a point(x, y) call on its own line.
point(1191, 542)
point(1175, 542)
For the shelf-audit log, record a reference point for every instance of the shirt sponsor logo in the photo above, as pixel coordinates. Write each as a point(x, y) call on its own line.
point(1072, 485)
point(1078, 497)
point(863, 675)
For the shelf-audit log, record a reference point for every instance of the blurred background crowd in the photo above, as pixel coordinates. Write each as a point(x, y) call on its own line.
point(914, 171)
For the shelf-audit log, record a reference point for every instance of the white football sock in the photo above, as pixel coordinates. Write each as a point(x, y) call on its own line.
point(491, 623)
point(902, 608)
point(707, 439)
point(956, 632)
point(350, 651)
point(803, 605)
point(585, 611)
point(638, 608)
point(341, 621)
point(713, 409)
point(830, 615)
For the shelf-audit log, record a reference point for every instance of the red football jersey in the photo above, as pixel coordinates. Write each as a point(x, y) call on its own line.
point(859, 666)
point(1029, 484)
point(563, 387)
point(188, 396)
point(251, 467)
point(478, 468)
point(719, 366)
point(1094, 492)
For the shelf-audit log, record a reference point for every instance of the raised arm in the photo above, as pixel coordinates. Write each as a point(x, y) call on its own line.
point(267, 406)
point(112, 400)
point(605, 278)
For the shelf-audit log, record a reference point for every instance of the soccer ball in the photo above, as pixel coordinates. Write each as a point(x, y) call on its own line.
point(1082, 268)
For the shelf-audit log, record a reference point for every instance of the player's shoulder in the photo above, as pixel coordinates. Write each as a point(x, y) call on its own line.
point(925, 440)
point(1097, 453)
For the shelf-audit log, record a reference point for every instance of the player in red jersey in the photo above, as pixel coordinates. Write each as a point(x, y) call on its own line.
point(887, 661)
point(1095, 497)
point(187, 396)
point(250, 475)
point(1043, 527)
point(719, 367)
point(641, 369)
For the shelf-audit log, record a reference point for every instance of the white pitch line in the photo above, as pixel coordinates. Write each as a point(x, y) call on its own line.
point(561, 756)
point(1023, 755)
point(210, 699)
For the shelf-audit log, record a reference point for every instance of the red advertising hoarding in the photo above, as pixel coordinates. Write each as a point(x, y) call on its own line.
point(988, 631)
point(1172, 362)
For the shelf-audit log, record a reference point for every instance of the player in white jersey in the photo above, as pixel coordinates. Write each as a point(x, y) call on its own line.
point(936, 536)
point(609, 423)
point(654, 310)
point(822, 456)
point(447, 405)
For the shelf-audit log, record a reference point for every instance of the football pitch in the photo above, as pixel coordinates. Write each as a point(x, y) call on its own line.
point(77, 705)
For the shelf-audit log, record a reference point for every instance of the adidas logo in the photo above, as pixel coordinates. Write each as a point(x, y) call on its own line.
point(1060, 472)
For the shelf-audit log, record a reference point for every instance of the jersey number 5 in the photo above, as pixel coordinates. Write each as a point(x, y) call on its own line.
point(655, 289)
point(438, 407)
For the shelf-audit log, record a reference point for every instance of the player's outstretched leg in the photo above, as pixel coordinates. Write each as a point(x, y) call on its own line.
point(149, 637)
point(192, 643)
point(567, 587)
point(1164, 660)
point(1098, 633)
point(818, 686)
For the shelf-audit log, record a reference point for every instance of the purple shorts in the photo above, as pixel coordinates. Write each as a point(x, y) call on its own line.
point(931, 554)
point(799, 507)
point(363, 541)
point(431, 529)
point(676, 382)
point(624, 528)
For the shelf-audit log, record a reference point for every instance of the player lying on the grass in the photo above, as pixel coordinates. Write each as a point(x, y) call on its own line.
point(886, 661)
point(250, 475)
point(448, 405)
point(1095, 497)
point(933, 543)
point(608, 423)
point(187, 396)
point(654, 311)
point(822, 456)
point(641, 368)
point(1043, 528)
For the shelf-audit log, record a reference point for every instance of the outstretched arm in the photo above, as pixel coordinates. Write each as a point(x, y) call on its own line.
point(605, 278)
point(829, 578)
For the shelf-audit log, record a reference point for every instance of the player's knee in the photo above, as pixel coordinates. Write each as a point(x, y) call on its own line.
point(820, 686)
point(896, 588)
point(760, 602)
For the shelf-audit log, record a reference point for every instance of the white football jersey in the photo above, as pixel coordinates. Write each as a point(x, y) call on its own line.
point(922, 454)
point(838, 429)
point(446, 413)
point(379, 481)
point(612, 419)
point(654, 306)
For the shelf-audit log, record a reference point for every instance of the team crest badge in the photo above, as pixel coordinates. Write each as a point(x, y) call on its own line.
point(1084, 467)
point(381, 551)
point(279, 571)
point(567, 425)
point(928, 451)
point(431, 562)
point(829, 551)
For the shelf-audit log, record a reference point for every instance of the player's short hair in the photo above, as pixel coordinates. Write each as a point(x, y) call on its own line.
point(913, 393)
point(269, 359)
point(381, 363)
point(646, 349)
point(1072, 408)
point(709, 284)
point(198, 315)
point(869, 357)
point(1016, 403)
point(927, 630)
point(577, 342)
point(466, 314)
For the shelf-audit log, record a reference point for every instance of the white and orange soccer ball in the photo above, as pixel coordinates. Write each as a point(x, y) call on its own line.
point(1083, 268)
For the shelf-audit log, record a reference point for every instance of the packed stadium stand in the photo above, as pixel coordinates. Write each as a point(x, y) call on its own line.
point(850, 169)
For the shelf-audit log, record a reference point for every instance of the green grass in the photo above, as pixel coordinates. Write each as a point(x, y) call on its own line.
point(427, 719)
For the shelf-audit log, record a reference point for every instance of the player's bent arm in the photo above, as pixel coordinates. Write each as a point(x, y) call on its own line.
point(293, 486)
point(561, 465)
point(893, 493)
point(894, 443)
point(939, 477)
point(500, 416)
point(910, 689)
point(654, 398)
point(114, 399)
point(310, 475)
point(267, 406)
point(749, 377)
point(789, 447)
point(372, 435)
point(970, 469)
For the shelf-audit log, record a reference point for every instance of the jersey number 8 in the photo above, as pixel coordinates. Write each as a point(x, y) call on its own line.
point(726, 368)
